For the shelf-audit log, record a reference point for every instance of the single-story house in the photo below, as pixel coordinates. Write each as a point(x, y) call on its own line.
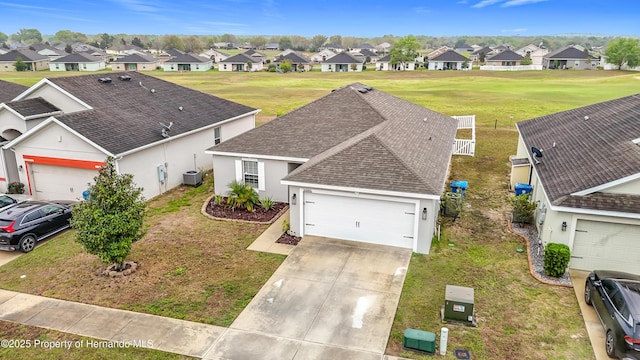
point(384, 64)
point(364, 46)
point(322, 56)
point(79, 47)
point(536, 53)
point(122, 50)
point(156, 131)
point(480, 55)
point(298, 61)
point(569, 57)
point(136, 62)
point(215, 55)
point(33, 60)
point(584, 167)
point(188, 62)
point(272, 46)
point(47, 50)
point(368, 54)
point(77, 62)
point(448, 60)
point(256, 56)
point(174, 52)
point(357, 164)
point(9, 90)
point(383, 47)
point(504, 58)
point(342, 62)
point(439, 51)
point(240, 62)
point(336, 48)
point(464, 48)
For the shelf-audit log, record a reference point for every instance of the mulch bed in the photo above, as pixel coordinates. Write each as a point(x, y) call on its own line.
point(258, 215)
point(288, 239)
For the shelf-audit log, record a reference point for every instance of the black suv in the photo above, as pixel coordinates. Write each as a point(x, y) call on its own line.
point(25, 223)
point(616, 298)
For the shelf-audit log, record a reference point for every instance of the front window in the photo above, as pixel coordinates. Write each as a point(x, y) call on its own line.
point(250, 172)
point(216, 136)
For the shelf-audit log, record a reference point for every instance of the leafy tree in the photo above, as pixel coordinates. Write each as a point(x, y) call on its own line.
point(111, 220)
point(241, 195)
point(3, 37)
point(20, 65)
point(299, 43)
point(623, 51)
point(482, 56)
point(317, 42)
point(285, 43)
point(336, 39)
point(123, 41)
point(350, 42)
point(192, 44)
point(68, 49)
point(460, 42)
point(228, 38)
point(137, 42)
point(172, 42)
point(68, 36)
point(105, 41)
point(526, 60)
point(258, 41)
point(27, 36)
point(465, 64)
point(405, 50)
point(286, 66)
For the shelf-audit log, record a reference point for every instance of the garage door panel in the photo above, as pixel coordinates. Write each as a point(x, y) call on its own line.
point(601, 245)
point(60, 183)
point(360, 219)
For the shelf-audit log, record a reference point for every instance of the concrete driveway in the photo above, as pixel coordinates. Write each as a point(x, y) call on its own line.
point(591, 320)
point(6, 256)
point(330, 299)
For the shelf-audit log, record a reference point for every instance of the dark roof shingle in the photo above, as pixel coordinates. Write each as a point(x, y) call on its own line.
point(342, 58)
point(506, 55)
point(31, 107)
point(449, 55)
point(9, 90)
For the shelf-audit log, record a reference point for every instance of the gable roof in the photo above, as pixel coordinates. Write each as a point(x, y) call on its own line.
point(254, 53)
point(188, 58)
point(125, 115)
point(449, 55)
point(506, 55)
point(40, 46)
point(385, 58)
point(27, 55)
point(32, 107)
point(294, 57)
point(77, 58)
point(367, 52)
point(175, 52)
point(364, 46)
point(136, 58)
point(484, 50)
point(238, 59)
point(589, 152)
point(342, 58)
point(358, 138)
point(567, 52)
point(9, 90)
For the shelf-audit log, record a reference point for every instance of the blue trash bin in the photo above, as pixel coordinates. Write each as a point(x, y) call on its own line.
point(85, 194)
point(459, 186)
point(521, 188)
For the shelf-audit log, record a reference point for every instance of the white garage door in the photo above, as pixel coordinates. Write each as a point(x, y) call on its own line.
point(601, 245)
point(358, 219)
point(60, 182)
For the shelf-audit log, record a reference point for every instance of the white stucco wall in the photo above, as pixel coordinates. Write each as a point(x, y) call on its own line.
point(10, 121)
point(224, 172)
point(631, 187)
point(88, 66)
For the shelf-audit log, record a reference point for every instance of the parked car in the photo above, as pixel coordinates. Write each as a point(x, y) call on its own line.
point(25, 223)
point(616, 298)
point(6, 200)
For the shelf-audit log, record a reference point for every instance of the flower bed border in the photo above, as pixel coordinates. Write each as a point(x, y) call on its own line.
point(204, 212)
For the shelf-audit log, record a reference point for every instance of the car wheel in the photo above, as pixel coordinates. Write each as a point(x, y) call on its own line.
point(610, 344)
point(27, 243)
point(587, 293)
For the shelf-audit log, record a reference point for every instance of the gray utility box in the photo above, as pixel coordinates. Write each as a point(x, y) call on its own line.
point(193, 178)
point(458, 305)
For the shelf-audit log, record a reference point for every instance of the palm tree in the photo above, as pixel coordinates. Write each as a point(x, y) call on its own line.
point(241, 195)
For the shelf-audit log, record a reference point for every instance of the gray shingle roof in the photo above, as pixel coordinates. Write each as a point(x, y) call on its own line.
point(238, 59)
point(9, 90)
point(366, 140)
point(77, 58)
point(367, 52)
point(27, 55)
point(342, 58)
point(126, 115)
point(507, 55)
point(385, 58)
point(187, 58)
point(30, 107)
point(295, 58)
point(449, 55)
point(175, 52)
point(136, 58)
point(589, 151)
point(567, 52)
point(484, 50)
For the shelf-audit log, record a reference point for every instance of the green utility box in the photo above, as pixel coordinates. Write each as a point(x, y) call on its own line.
point(458, 304)
point(420, 340)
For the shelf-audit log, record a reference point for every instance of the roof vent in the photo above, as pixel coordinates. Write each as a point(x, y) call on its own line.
point(153, 91)
point(586, 117)
point(368, 88)
point(180, 108)
point(362, 90)
point(105, 80)
point(125, 77)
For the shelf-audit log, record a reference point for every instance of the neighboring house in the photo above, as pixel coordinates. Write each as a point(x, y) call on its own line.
point(298, 62)
point(188, 62)
point(122, 50)
point(384, 64)
point(439, 51)
point(570, 57)
point(480, 55)
point(9, 90)
point(342, 62)
point(77, 62)
point(587, 182)
point(272, 46)
point(464, 48)
point(536, 53)
point(33, 60)
point(357, 164)
point(384, 48)
point(156, 131)
point(368, 54)
point(175, 52)
point(322, 56)
point(47, 50)
point(448, 60)
point(215, 55)
point(136, 62)
point(256, 57)
point(3, 50)
point(86, 48)
point(240, 62)
point(504, 58)
point(223, 45)
point(365, 46)
point(333, 47)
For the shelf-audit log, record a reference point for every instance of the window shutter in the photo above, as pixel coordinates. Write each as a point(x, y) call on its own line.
point(239, 170)
point(261, 179)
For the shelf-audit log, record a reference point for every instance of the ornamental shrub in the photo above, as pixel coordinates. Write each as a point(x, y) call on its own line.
point(556, 259)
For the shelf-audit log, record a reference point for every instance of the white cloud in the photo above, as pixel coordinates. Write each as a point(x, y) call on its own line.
point(520, 2)
point(484, 3)
point(422, 10)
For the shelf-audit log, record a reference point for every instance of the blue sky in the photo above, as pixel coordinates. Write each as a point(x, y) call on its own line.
point(364, 18)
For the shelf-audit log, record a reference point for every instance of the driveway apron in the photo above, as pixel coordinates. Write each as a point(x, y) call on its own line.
point(329, 299)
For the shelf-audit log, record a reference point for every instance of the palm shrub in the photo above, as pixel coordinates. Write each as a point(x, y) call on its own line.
point(267, 203)
point(556, 259)
point(241, 195)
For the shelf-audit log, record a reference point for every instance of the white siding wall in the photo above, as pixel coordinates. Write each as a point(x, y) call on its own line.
point(88, 66)
point(631, 187)
point(10, 121)
point(225, 170)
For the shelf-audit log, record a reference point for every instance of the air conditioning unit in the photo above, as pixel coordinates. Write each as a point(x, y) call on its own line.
point(192, 178)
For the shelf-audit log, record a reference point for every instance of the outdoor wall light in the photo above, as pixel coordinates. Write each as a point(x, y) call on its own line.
point(20, 168)
point(294, 199)
point(564, 226)
point(424, 214)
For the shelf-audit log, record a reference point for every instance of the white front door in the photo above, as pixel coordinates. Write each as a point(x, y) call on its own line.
point(606, 246)
point(383, 222)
